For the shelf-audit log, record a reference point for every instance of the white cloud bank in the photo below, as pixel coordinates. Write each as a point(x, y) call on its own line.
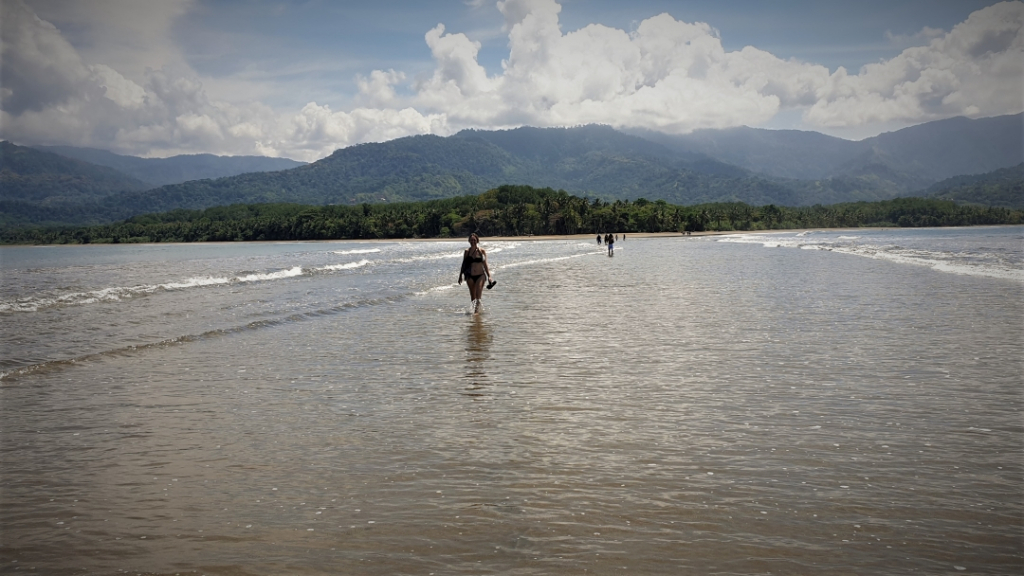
point(666, 75)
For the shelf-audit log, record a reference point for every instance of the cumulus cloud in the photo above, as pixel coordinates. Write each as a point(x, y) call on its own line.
point(675, 76)
point(51, 95)
point(379, 89)
point(975, 70)
point(666, 74)
point(40, 68)
point(126, 35)
point(316, 130)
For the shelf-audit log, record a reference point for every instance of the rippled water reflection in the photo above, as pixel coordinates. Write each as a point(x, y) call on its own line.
point(688, 406)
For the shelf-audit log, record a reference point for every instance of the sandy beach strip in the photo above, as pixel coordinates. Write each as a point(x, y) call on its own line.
point(628, 235)
point(530, 238)
point(485, 239)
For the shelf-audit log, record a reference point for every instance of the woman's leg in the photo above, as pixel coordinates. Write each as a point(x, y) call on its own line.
point(475, 287)
point(478, 289)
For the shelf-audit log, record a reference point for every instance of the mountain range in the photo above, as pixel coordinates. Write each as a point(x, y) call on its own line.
point(785, 167)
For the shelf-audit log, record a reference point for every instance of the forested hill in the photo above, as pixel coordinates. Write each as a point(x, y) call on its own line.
point(1004, 187)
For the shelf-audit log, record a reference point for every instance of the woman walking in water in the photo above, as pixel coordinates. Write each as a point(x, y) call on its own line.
point(475, 271)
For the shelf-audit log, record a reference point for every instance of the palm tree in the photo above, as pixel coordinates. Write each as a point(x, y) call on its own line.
point(770, 214)
point(703, 218)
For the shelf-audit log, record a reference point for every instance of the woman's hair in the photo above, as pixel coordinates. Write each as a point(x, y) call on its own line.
point(472, 236)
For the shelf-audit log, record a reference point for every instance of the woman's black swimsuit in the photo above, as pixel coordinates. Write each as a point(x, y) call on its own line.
point(475, 277)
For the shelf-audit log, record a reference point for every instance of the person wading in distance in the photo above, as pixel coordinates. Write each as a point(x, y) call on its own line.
point(475, 271)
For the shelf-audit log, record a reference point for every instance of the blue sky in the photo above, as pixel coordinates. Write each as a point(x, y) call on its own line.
point(301, 79)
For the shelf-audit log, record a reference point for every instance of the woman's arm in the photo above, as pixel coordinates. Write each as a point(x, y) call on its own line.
point(487, 268)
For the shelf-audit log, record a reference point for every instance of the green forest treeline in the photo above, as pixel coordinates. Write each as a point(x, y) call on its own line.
point(504, 211)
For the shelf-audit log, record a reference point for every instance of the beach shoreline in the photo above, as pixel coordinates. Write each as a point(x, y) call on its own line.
point(593, 237)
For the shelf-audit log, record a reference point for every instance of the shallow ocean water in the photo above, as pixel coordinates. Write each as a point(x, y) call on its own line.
point(688, 406)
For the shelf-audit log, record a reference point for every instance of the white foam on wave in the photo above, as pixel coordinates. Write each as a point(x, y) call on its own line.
point(766, 240)
point(357, 251)
point(349, 266)
point(441, 256)
point(419, 245)
point(195, 282)
point(443, 288)
point(499, 246)
point(290, 273)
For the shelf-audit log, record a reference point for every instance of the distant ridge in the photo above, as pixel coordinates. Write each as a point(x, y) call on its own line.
point(31, 175)
point(794, 154)
point(947, 148)
point(920, 155)
point(175, 169)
